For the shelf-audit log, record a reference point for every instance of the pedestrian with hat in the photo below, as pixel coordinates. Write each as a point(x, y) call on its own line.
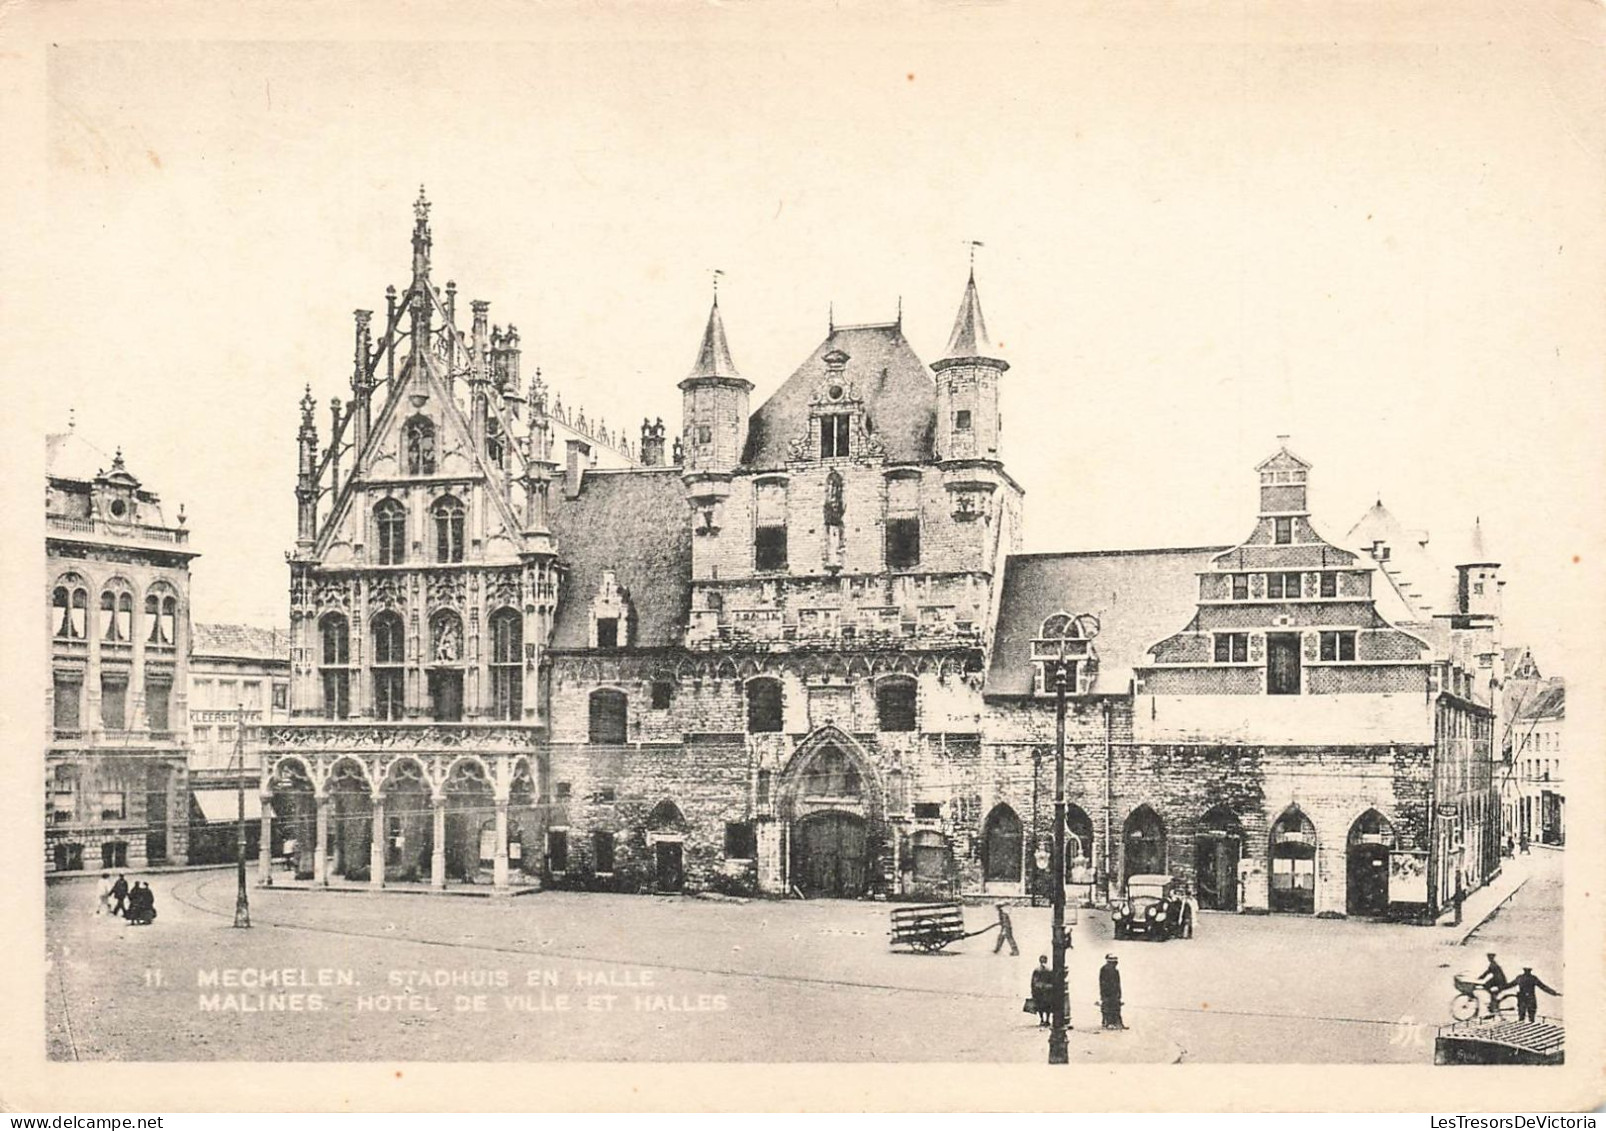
point(1110, 993)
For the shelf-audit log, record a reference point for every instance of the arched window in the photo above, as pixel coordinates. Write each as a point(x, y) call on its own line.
point(71, 610)
point(507, 675)
point(895, 703)
point(1001, 845)
point(609, 715)
point(391, 520)
point(448, 530)
point(168, 624)
point(161, 611)
point(117, 615)
point(335, 656)
point(763, 706)
point(389, 656)
point(418, 438)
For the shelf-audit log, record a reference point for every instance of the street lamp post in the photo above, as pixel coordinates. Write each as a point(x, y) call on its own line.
point(242, 904)
point(1057, 1048)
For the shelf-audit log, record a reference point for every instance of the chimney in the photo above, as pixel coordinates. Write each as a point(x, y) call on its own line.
point(652, 443)
point(575, 467)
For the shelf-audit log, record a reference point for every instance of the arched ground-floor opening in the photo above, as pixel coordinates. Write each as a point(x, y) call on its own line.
point(1002, 847)
point(349, 845)
point(294, 810)
point(831, 855)
point(666, 836)
point(1366, 867)
point(470, 824)
point(1293, 864)
point(409, 824)
point(1217, 849)
point(1143, 848)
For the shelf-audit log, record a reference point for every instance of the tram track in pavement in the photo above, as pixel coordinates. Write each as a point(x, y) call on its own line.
point(547, 954)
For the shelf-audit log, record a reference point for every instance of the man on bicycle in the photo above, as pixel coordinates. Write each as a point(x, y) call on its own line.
point(1493, 980)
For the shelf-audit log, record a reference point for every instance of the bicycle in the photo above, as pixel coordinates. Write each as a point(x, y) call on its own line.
point(1466, 1005)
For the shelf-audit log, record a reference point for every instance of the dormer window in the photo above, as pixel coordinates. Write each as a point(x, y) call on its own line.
point(835, 429)
point(610, 614)
point(1282, 531)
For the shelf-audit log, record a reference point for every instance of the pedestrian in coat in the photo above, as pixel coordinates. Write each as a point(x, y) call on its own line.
point(1527, 1000)
point(1006, 933)
point(1043, 991)
point(119, 895)
point(103, 893)
point(1110, 993)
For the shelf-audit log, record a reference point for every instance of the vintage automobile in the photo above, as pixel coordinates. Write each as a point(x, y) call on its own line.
point(1143, 910)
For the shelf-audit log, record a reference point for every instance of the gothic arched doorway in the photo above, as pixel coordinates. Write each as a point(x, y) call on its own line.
point(1293, 863)
point(666, 832)
point(1216, 852)
point(1366, 888)
point(1143, 843)
point(1001, 846)
point(831, 855)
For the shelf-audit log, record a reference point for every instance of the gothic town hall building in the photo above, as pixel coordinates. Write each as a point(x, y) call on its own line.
point(799, 653)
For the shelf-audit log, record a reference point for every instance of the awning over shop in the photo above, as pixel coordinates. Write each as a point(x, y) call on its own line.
point(222, 805)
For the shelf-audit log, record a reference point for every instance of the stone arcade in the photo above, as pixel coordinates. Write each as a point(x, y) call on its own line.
point(797, 655)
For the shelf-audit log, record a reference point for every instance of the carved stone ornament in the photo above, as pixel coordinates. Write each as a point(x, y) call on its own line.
point(502, 588)
point(386, 593)
point(445, 590)
point(333, 594)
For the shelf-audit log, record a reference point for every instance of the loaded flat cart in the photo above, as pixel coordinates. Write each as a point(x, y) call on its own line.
point(1497, 1041)
point(928, 927)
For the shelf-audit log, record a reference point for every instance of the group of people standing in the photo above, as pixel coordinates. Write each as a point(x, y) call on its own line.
point(136, 903)
point(1042, 999)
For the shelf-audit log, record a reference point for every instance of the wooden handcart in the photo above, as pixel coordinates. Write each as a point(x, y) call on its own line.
point(929, 927)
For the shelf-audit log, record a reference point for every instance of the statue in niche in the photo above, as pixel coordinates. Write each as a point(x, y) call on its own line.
point(835, 508)
point(447, 644)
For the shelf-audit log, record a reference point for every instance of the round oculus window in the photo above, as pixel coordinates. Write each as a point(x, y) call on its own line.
point(835, 392)
point(119, 508)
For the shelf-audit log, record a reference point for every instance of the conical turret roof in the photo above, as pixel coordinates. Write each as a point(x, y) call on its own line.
point(969, 338)
point(714, 356)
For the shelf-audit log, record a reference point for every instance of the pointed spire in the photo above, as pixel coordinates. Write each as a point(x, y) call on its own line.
point(421, 239)
point(969, 338)
point(1477, 550)
point(714, 356)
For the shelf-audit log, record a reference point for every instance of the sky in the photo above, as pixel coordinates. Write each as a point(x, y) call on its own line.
point(1375, 230)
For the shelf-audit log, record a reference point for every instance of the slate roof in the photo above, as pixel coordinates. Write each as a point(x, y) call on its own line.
point(714, 355)
point(969, 337)
point(1140, 597)
point(242, 641)
point(899, 395)
point(1423, 586)
point(1551, 703)
point(634, 523)
point(69, 456)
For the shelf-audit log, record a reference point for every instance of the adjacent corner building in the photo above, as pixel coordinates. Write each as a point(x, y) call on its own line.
point(118, 621)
